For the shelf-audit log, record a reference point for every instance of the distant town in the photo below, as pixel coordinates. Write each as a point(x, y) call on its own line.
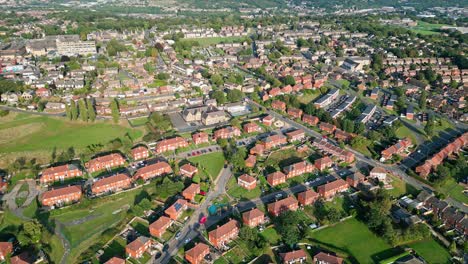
point(217, 132)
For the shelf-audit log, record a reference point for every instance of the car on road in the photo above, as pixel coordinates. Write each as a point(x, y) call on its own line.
point(177, 236)
point(187, 241)
point(278, 196)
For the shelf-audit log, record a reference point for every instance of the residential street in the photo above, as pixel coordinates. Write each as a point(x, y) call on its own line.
point(190, 229)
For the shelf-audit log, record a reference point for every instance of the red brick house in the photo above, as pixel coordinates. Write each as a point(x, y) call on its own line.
point(6, 248)
point(138, 247)
point(296, 135)
point(250, 161)
point(171, 144)
point(307, 198)
point(329, 190)
point(115, 260)
point(297, 256)
point(140, 153)
point(112, 184)
point(326, 127)
point(190, 192)
point(378, 173)
point(274, 141)
point(246, 181)
point(310, 119)
point(323, 163)
point(278, 105)
point(226, 133)
point(196, 254)
point(268, 120)
point(253, 217)
point(276, 178)
point(60, 173)
point(294, 112)
point(251, 128)
point(158, 227)
point(200, 137)
point(355, 179)
point(298, 168)
point(274, 92)
point(223, 234)
point(398, 148)
point(105, 162)
point(188, 170)
point(176, 209)
point(61, 196)
point(287, 204)
point(258, 149)
point(154, 170)
point(335, 151)
point(342, 135)
point(325, 258)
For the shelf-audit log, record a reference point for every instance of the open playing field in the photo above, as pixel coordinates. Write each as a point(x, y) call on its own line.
point(30, 133)
point(212, 163)
point(204, 42)
point(431, 251)
point(425, 28)
point(354, 238)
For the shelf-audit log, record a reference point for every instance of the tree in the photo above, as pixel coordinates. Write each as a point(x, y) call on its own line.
point(234, 95)
point(238, 158)
point(219, 96)
point(91, 111)
point(287, 225)
point(74, 110)
point(289, 80)
point(83, 110)
point(423, 100)
point(68, 111)
point(429, 128)
point(216, 79)
point(30, 233)
point(358, 142)
point(359, 128)
point(115, 110)
point(160, 122)
point(348, 125)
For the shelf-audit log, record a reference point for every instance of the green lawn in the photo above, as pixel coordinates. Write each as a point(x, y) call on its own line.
point(400, 187)
point(84, 224)
point(43, 133)
point(431, 251)
point(425, 28)
point(239, 192)
point(308, 97)
point(204, 42)
point(236, 255)
point(354, 238)
point(271, 236)
point(452, 189)
point(115, 249)
point(141, 121)
point(404, 132)
point(212, 163)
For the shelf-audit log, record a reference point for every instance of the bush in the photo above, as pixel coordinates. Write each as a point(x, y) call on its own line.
point(4, 113)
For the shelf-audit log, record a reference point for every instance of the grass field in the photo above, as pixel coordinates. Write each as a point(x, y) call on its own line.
point(399, 187)
point(355, 239)
point(431, 251)
point(452, 189)
point(204, 42)
point(404, 132)
point(141, 121)
point(83, 226)
point(271, 236)
point(39, 133)
point(425, 28)
point(212, 163)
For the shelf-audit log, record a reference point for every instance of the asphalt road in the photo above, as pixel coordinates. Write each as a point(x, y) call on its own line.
point(190, 228)
point(394, 169)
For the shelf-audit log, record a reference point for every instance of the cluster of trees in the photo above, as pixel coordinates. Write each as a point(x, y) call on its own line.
point(21, 163)
point(114, 46)
point(158, 125)
point(326, 215)
point(85, 110)
point(451, 169)
point(115, 110)
point(289, 225)
point(255, 242)
point(64, 156)
point(231, 96)
point(375, 213)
